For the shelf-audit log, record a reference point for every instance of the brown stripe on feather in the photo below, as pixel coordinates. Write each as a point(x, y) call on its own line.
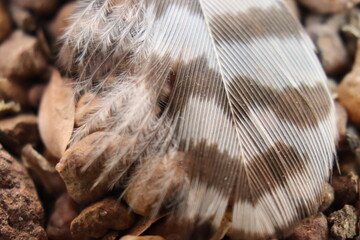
point(304, 106)
point(255, 23)
point(271, 168)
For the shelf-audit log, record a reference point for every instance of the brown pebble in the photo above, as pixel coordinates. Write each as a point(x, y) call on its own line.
point(21, 213)
point(328, 197)
point(343, 223)
point(149, 185)
point(56, 114)
point(17, 131)
point(41, 7)
point(349, 96)
point(10, 90)
point(329, 6)
point(112, 235)
point(24, 57)
point(35, 94)
point(79, 182)
point(97, 219)
point(22, 18)
point(314, 228)
point(341, 121)
point(5, 22)
point(66, 210)
point(345, 189)
point(61, 21)
point(129, 237)
point(9, 108)
point(332, 51)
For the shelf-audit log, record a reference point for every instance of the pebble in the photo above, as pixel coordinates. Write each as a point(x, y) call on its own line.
point(23, 18)
point(21, 213)
point(22, 57)
point(97, 219)
point(66, 210)
point(329, 6)
point(349, 95)
point(19, 130)
point(150, 187)
point(41, 7)
point(346, 189)
point(343, 223)
point(314, 228)
point(79, 181)
point(332, 51)
point(129, 237)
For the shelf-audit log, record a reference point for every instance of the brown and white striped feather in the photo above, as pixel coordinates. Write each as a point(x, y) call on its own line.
point(248, 103)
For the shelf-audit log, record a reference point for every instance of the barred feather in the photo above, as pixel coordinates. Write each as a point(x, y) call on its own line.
point(233, 85)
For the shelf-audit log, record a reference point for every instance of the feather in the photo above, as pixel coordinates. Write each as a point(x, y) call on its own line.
point(234, 86)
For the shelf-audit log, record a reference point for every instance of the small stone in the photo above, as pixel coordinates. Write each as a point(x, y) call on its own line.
point(314, 228)
point(111, 236)
point(341, 121)
point(41, 7)
point(129, 237)
point(35, 94)
point(80, 178)
point(345, 189)
point(343, 223)
point(21, 213)
point(332, 51)
point(328, 197)
point(24, 57)
point(329, 6)
point(97, 219)
point(66, 210)
point(5, 22)
point(14, 91)
point(23, 18)
point(9, 108)
point(149, 185)
point(349, 96)
point(17, 131)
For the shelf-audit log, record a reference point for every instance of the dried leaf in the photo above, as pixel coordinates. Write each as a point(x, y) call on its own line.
point(56, 115)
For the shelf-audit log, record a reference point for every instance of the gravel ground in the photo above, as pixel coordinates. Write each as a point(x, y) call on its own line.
point(41, 201)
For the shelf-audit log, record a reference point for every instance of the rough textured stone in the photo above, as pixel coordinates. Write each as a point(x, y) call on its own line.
point(315, 228)
point(66, 210)
point(346, 189)
point(21, 56)
point(97, 219)
point(343, 223)
point(79, 179)
point(21, 213)
point(17, 131)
